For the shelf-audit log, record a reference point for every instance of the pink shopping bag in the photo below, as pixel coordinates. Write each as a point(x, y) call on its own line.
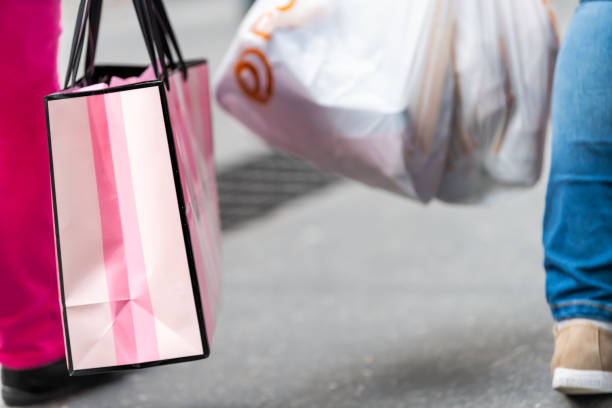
point(136, 209)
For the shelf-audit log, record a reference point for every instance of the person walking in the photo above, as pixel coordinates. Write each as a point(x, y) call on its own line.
point(577, 234)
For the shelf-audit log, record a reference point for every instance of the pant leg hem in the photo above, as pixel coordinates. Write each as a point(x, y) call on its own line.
point(29, 363)
point(582, 309)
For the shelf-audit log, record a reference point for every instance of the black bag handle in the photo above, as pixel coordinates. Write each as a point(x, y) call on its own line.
point(95, 14)
point(164, 23)
point(155, 27)
point(77, 38)
point(156, 37)
point(88, 19)
point(162, 35)
point(145, 27)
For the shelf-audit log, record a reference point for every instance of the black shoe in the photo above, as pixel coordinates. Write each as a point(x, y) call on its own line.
point(42, 384)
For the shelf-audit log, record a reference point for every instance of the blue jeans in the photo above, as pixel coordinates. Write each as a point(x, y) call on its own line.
point(578, 220)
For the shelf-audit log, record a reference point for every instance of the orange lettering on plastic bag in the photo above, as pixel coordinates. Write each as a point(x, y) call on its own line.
point(264, 24)
point(287, 7)
point(245, 66)
point(260, 91)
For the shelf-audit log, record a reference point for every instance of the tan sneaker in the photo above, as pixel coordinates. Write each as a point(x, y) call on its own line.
point(582, 362)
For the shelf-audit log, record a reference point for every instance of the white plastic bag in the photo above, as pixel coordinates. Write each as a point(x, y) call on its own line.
point(426, 98)
point(504, 56)
point(363, 88)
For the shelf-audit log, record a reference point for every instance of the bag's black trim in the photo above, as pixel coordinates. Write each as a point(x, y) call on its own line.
point(57, 244)
point(140, 85)
point(129, 367)
point(186, 232)
point(102, 73)
point(182, 210)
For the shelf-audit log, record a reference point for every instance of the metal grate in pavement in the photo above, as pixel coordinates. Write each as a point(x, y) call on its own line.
point(261, 185)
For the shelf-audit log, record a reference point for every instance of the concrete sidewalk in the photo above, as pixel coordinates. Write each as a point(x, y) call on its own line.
point(353, 297)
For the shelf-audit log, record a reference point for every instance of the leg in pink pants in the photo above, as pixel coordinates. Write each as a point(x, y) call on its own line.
point(30, 325)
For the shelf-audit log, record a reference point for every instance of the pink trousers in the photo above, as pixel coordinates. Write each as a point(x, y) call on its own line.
point(30, 323)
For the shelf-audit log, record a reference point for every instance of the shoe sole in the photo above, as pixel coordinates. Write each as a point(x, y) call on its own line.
point(582, 382)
